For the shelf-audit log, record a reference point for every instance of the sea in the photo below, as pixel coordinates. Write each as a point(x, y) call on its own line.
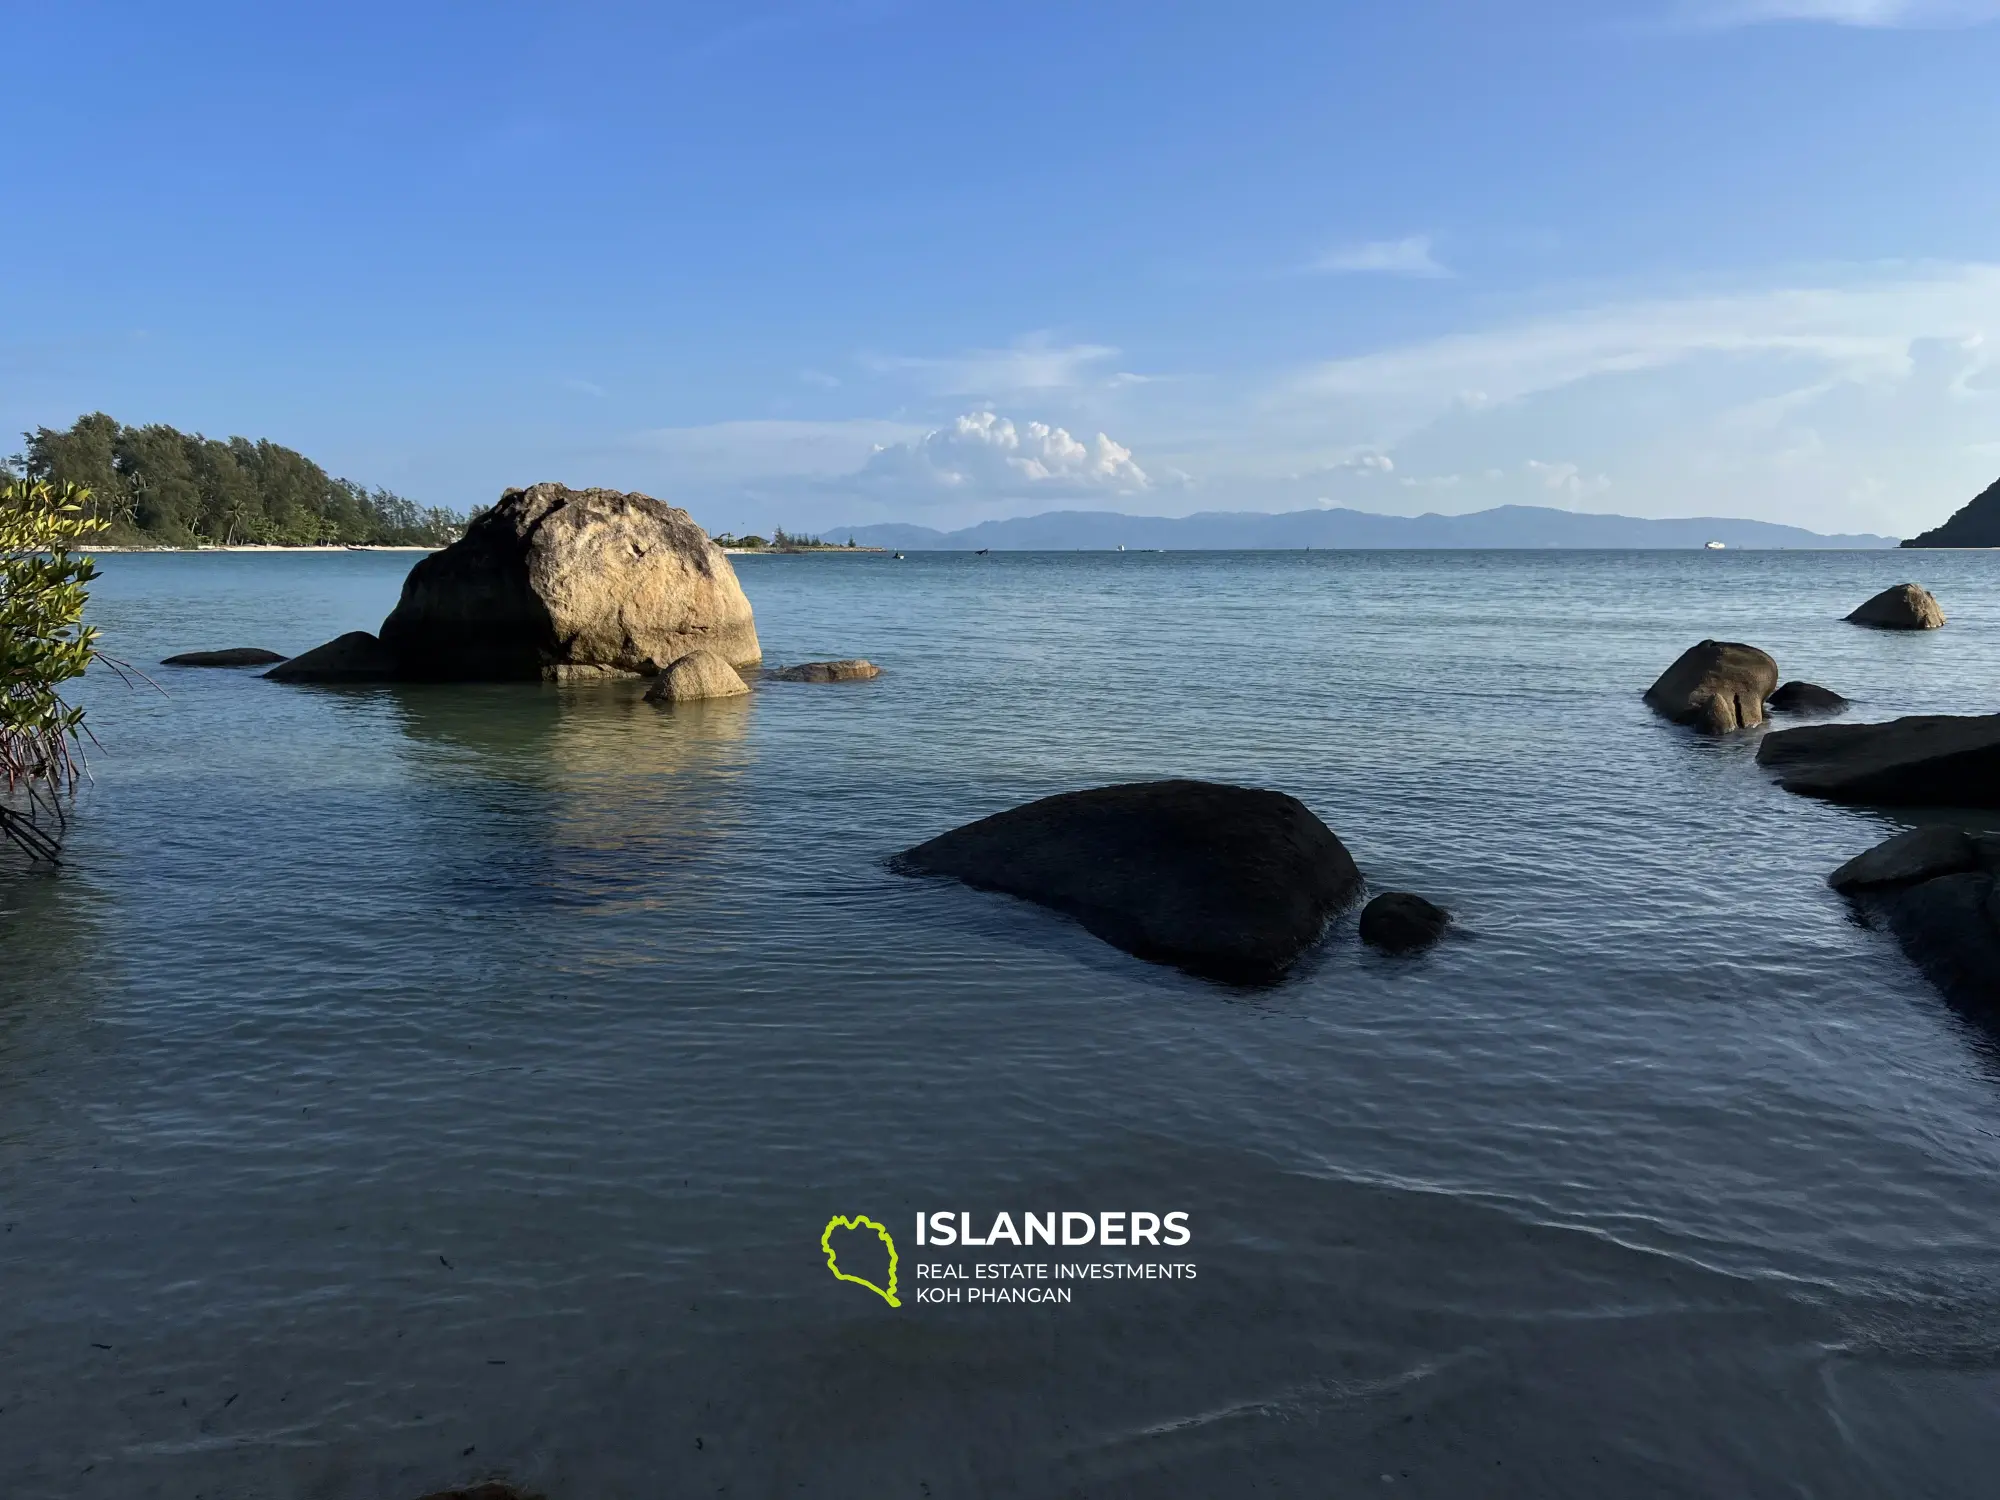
point(405, 1086)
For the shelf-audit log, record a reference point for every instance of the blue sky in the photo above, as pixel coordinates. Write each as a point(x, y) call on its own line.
point(834, 261)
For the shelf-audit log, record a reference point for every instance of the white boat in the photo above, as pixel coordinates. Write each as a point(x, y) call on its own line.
point(1714, 546)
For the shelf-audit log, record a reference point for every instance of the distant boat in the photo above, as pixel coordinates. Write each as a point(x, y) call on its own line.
point(982, 551)
point(1121, 546)
point(899, 557)
point(1713, 546)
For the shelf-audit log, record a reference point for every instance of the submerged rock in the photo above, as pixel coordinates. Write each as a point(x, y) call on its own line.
point(699, 674)
point(1399, 922)
point(1904, 607)
point(854, 669)
point(1920, 854)
point(234, 656)
point(1806, 698)
point(1934, 889)
point(354, 657)
point(1225, 882)
point(1926, 761)
point(492, 1489)
point(554, 582)
point(1715, 686)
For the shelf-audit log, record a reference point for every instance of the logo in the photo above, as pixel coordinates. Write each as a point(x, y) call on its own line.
point(860, 1221)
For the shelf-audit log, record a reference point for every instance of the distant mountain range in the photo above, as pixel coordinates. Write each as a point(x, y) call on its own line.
point(1504, 526)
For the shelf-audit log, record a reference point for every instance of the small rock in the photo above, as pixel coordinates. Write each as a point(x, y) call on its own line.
point(699, 674)
point(1920, 854)
point(1806, 698)
point(354, 657)
point(1716, 686)
point(1225, 882)
point(854, 669)
point(1904, 607)
point(235, 656)
point(1398, 922)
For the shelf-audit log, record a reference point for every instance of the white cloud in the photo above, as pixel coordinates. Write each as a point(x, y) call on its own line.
point(1566, 480)
point(1032, 363)
point(981, 456)
point(1872, 13)
point(1857, 332)
point(1404, 257)
point(1368, 463)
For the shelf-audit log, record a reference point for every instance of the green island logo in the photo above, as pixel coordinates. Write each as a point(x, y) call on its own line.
point(859, 1221)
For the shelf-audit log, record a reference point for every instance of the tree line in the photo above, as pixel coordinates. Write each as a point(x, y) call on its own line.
point(158, 486)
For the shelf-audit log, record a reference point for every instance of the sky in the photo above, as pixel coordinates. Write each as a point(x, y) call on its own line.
point(814, 263)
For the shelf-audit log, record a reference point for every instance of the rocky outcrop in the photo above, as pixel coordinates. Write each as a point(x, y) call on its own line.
point(554, 582)
point(699, 674)
point(1934, 889)
point(854, 669)
point(234, 656)
point(1715, 686)
point(1398, 922)
point(354, 657)
point(1904, 607)
point(1806, 698)
point(1976, 524)
point(1920, 854)
point(1926, 761)
point(1222, 881)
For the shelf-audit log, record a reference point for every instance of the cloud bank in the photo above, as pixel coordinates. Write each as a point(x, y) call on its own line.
point(982, 456)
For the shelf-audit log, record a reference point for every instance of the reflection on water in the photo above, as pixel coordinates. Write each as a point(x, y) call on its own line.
point(409, 1083)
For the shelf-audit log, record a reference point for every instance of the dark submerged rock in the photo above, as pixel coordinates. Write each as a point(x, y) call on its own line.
point(1933, 760)
point(354, 657)
point(234, 656)
point(1904, 607)
point(1716, 687)
point(854, 669)
point(554, 583)
point(492, 1489)
point(1806, 698)
point(1225, 882)
point(1920, 854)
point(1935, 891)
point(1399, 922)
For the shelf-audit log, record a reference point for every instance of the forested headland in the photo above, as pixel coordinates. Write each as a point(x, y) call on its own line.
point(158, 486)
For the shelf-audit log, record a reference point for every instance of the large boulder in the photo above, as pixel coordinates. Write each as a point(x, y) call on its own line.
point(1806, 698)
point(1904, 607)
point(554, 582)
point(1715, 686)
point(854, 669)
point(699, 674)
point(1934, 889)
point(1936, 760)
point(234, 656)
point(354, 657)
point(1222, 881)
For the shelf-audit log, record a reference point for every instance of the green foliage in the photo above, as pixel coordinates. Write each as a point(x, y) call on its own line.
point(156, 485)
point(43, 644)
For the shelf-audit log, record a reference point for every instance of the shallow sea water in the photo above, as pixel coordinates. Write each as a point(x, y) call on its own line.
point(404, 1085)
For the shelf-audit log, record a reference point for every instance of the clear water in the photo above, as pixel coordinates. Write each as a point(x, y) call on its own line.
point(400, 1086)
